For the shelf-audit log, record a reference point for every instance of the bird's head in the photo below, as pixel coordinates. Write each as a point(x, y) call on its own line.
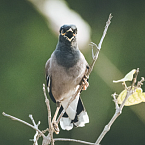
point(68, 32)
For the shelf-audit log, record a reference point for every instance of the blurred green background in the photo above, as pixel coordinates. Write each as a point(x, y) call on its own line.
point(26, 42)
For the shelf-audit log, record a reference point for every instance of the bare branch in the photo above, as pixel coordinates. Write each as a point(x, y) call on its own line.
point(118, 111)
point(135, 78)
point(50, 135)
point(19, 120)
point(140, 83)
point(73, 140)
point(98, 48)
point(115, 100)
point(48, 106)
point(36, 136)
point(105, 31)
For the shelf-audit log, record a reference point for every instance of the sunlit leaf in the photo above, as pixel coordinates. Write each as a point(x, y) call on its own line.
point(136, 98)
point(128, 77)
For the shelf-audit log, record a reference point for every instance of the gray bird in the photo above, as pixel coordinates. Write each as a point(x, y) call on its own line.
point(65, 70)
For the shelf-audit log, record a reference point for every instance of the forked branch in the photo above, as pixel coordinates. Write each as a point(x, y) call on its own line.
point(19, 120)
point(118, 111)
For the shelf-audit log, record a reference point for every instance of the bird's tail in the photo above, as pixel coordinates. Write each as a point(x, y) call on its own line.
point(75, 115)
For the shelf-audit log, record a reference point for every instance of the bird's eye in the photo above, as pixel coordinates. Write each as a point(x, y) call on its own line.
point(60, 30)
point(63, 31)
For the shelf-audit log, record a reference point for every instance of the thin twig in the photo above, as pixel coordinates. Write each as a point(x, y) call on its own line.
point(73, 140)
point(115, 100)
point(19, 120)
point(118, 111)
point(36, 136)
point(140, 83)
point(91, 66)
point(135, 78)
point(98, 48)
point(48, 106)
point(49, 116)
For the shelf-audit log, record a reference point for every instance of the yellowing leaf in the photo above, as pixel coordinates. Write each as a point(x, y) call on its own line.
point(136, 98)
point(128, 77)
point(143, 96)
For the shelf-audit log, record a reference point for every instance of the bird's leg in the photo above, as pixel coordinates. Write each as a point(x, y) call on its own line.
point(55, 125)
point(85, 79)
point(85, 82)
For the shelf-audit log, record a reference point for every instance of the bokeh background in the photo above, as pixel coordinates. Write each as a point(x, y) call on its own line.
point(27, 39)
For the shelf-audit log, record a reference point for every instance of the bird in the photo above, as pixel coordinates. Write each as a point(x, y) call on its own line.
point(65, 71)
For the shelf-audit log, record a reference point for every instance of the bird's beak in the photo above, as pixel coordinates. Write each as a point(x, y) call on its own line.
point(64, 34)
point(70, 30)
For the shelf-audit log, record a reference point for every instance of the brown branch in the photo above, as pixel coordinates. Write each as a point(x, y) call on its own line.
point(95, 57)
point(50, 135)
point(73, 140)
point(19, 120)
point(135, 78)
point(140, 83)
point(36, 136)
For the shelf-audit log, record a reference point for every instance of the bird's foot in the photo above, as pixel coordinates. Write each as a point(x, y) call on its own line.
point(55, 127)
point(85, 83)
